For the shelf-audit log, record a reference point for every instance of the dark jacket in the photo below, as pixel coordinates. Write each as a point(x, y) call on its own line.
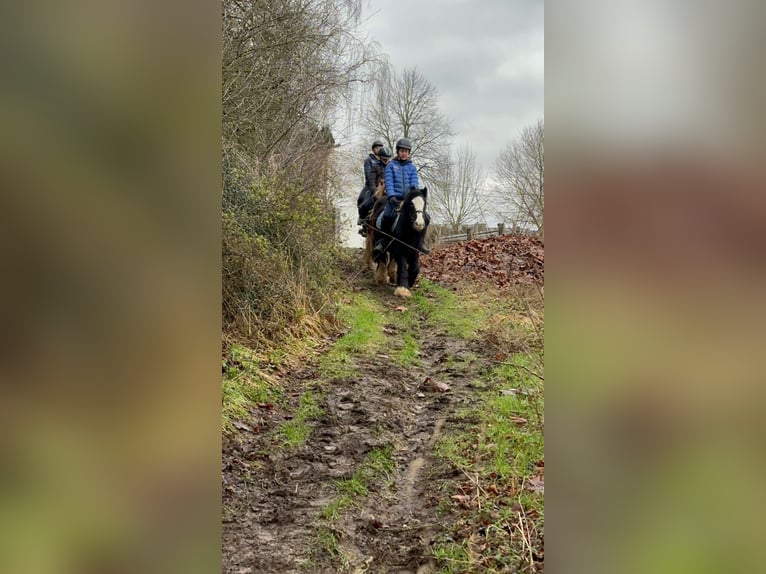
point(371, 164)
point(379, 172)
point(400, 177)
point(373, 169)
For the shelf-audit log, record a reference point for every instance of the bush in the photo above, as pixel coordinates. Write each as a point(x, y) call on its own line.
point(279, 247)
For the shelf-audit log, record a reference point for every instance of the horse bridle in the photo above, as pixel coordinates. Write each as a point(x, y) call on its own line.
point(416, 211)
point(420, 211)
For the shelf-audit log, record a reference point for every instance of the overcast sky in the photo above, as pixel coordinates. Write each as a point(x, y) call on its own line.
point(485, 58)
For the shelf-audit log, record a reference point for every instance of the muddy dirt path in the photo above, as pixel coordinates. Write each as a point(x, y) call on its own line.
point(279, 502)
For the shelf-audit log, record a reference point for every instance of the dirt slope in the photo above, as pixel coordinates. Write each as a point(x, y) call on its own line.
point(365, 491)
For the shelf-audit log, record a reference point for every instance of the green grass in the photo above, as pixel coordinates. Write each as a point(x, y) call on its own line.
point(351, 487)
point(500, 446)
point(246, 380)
point(408, 354)
point(408, 320)
point(458, 316)
point(332, 511)
point(365, 335)
point(453, 557)
point(376, 466)
point(505, 445)
point(327, 541)
point(378, 463)
point(297, 430)
point(512, 448)
point(244, 383)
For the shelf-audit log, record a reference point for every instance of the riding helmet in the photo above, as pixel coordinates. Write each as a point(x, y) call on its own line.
point(403, 143)
point(377, 143)
point(384, 152)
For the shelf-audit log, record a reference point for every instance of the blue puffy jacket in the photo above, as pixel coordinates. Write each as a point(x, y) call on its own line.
point(400, 177)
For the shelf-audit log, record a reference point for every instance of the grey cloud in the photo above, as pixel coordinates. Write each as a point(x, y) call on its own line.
point(484, 57)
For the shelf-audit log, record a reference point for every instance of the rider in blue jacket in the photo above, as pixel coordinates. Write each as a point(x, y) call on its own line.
point(401, 174)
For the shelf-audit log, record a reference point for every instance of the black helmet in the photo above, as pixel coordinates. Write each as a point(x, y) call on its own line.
point(384, 152)
point(403, 143)
point(377, 143)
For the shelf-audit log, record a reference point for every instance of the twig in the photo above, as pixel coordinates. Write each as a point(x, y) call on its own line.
point(524, 537)
point(479, 489)
point(408, 528)
point(530, 371)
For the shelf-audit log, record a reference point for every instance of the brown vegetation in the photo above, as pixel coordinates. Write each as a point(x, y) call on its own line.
point(284, 67)
point(504, 260)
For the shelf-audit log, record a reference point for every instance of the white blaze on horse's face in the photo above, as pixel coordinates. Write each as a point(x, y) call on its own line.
point(418, 203)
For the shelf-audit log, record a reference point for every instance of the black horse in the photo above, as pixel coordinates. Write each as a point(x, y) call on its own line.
point(400, 260)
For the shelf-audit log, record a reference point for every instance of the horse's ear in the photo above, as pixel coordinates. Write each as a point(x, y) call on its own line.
point(425, 191)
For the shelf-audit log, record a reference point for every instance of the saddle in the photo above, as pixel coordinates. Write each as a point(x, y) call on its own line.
point(394, 220)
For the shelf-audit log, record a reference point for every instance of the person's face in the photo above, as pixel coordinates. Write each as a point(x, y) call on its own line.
point(376, 149)
point(385, 160)
point(403, 153)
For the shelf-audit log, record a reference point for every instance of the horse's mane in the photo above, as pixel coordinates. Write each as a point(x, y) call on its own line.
point(380, 191)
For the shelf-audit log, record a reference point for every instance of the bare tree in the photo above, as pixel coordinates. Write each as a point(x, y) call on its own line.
point(286, 64)
point(520, 175)
point(457, 197)
point(406, 105)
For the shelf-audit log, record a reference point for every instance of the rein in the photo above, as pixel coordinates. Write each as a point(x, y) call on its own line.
point(397, 240)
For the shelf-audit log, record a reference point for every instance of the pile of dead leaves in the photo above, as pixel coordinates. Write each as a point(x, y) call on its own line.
point(505, 260)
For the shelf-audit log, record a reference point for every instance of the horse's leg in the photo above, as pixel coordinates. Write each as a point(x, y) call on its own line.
point(413, 267)
point(401, 278)
point(373, 263)
point(368, 251)
point(393, 263)
point(380, 272)
point(367, 255)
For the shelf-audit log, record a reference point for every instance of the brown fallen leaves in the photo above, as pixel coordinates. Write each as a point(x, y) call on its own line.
point(504, 260)
point(536, 484)
point(432, 385)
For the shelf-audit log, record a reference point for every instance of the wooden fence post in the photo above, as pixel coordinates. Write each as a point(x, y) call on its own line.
point(469, 233)
point(500, 228)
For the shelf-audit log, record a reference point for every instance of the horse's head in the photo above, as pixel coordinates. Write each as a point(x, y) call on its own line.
point(415, 202)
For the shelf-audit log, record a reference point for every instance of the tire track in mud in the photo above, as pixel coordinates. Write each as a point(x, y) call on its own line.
point(274, 496)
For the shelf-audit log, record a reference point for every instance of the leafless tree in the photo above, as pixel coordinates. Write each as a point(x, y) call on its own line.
point(456, 196)
point(520, 178)
point(406, 105)
point(286, 64)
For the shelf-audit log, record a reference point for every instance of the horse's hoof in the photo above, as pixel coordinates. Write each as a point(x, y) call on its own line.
point(402, 292)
